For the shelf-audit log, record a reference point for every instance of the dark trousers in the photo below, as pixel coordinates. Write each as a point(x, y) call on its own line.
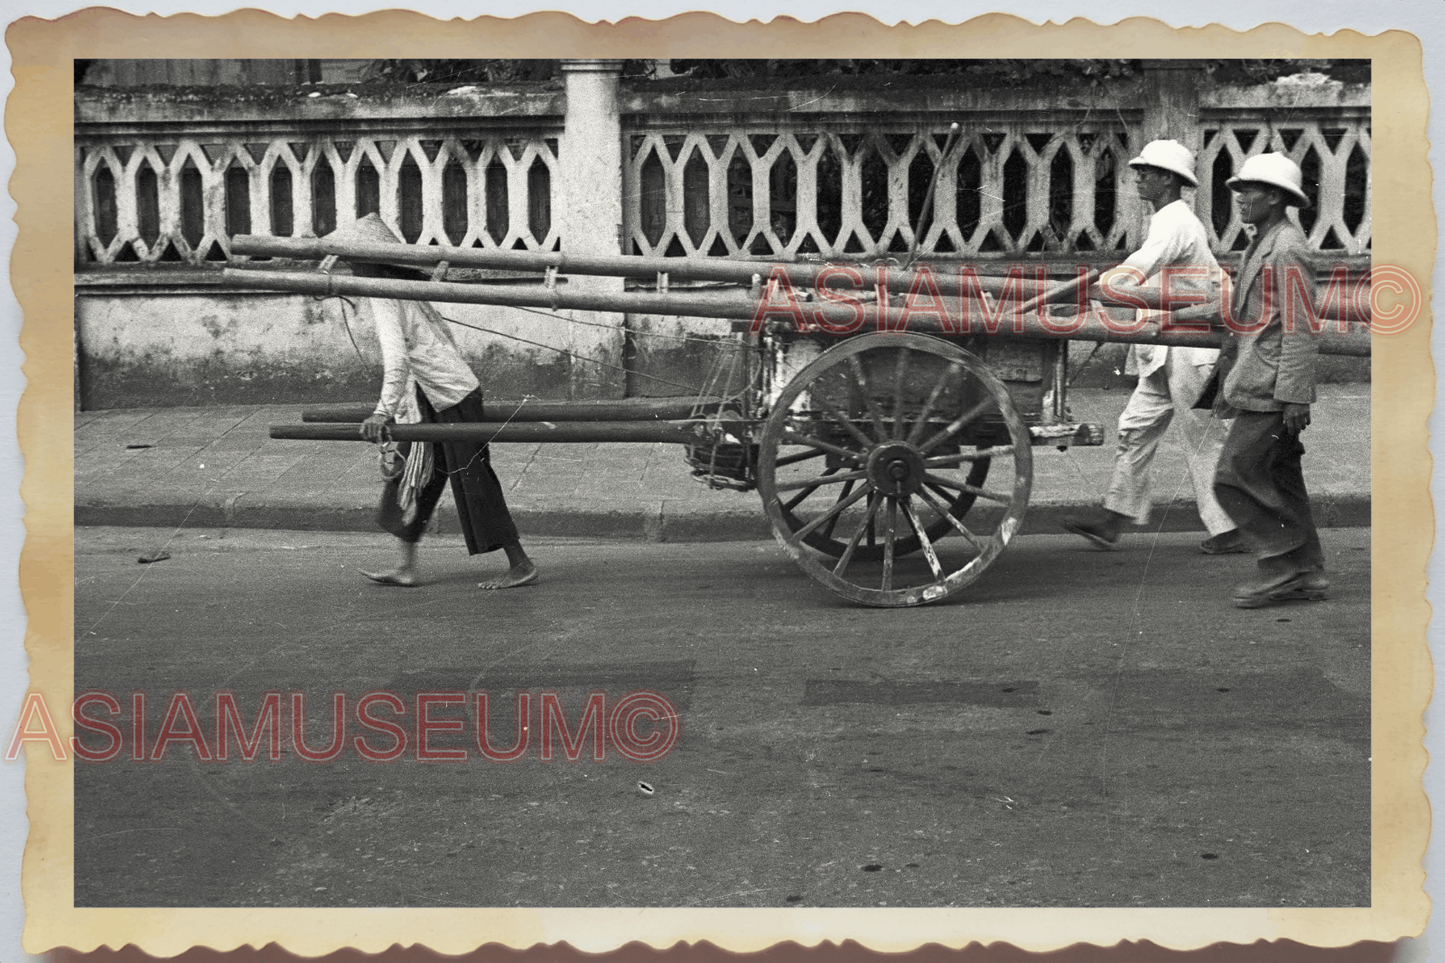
point(481, 507)
point(1260, 486)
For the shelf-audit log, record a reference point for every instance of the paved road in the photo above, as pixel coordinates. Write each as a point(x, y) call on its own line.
point(1077, 728)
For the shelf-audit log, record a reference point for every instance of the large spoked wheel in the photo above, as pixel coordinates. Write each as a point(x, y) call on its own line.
point(878, 451)
point(870, 550)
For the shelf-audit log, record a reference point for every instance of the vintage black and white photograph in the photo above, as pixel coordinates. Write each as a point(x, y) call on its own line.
point(723, 483)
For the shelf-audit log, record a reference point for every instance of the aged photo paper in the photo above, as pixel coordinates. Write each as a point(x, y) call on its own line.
point(714, 736)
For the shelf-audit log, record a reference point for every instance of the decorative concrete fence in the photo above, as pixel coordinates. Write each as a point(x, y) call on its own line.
point(164, 179)
point(1034, 176)
point(156, 196)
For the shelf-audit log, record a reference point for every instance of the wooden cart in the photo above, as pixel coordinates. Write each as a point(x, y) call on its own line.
point(894, 465)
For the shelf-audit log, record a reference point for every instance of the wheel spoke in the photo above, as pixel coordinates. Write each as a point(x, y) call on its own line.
point(965, 487)
point(810, 486)
point(943, 461)
point(898, 377)
point(990, 495)
point(955, 426)
point(800, 456)
point(890, 525)
point(833, 523)
point(798, 438)
point(844, 420)
point(923, 540)
point(828, 478)
point(873, 412)
point(945, 500)
point(921, 425)
point(927, 404)
point(836, 510)
point(957, 524)
point(842, 565)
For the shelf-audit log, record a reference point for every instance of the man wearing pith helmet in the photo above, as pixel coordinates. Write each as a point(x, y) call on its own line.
point(1170, 378)
point(1266, 379)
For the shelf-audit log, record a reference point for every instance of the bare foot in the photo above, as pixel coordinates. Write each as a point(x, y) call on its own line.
point(403, 578)
point(515, 577)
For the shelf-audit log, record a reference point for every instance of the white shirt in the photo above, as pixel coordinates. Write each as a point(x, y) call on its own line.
point(417, 347)
point(1176, 239)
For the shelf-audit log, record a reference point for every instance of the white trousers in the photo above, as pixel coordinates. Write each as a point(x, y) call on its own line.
point(1163, 396)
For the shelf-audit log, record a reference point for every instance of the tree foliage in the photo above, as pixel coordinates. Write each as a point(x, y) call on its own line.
point(1013, 73)
point(979, 73)
point(992, 72)
point(477, 71)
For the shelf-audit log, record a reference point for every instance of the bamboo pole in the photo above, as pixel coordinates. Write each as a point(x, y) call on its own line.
point(563, 432)
point(505, 410)
point(1056, 293)
point(963, 317)
point(896, 279)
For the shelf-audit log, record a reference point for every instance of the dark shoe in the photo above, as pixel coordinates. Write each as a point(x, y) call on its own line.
point(1100, 536)
point(1300, 587)
point(1225, 543)
point(1311, 587)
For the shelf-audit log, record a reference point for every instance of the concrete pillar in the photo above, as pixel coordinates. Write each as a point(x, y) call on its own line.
point(1171, 106)
point(1171, 112)
point(590, 215)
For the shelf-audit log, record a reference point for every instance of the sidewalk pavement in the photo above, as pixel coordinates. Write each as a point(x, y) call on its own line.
point(217, 467)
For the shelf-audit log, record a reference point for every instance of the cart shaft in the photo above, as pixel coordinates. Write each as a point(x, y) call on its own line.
point(665, 432)
point(511, 410)
point(562, 432)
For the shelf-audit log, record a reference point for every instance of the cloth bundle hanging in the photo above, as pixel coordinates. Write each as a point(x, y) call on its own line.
point(405, 469)
point(405, 473)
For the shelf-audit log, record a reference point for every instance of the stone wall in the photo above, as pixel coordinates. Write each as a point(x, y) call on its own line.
point(165, 176)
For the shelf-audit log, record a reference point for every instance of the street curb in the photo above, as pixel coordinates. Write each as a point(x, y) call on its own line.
point(653, 523)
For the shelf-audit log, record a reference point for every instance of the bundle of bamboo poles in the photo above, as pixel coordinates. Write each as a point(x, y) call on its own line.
point(836, 298)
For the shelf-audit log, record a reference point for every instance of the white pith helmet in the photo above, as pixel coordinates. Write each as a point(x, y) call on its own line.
point(1169, 155)
point(1275, 170)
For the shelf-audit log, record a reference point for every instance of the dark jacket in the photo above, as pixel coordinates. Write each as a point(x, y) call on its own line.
point(1274, 364)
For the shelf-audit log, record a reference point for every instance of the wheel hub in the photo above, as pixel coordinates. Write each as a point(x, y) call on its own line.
point(896, 468)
